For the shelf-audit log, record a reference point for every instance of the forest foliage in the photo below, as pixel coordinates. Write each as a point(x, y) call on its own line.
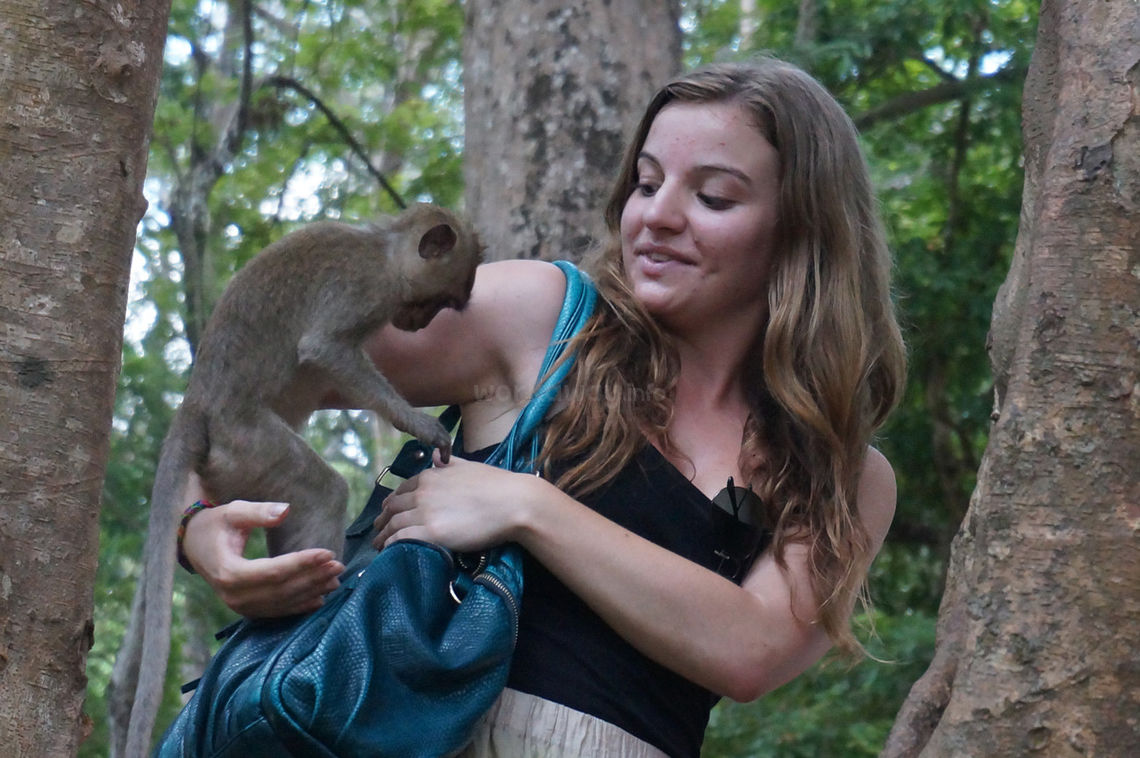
point(934, 86)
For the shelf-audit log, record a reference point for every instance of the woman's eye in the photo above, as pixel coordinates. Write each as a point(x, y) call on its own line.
point(713, 202)
point(645, 188)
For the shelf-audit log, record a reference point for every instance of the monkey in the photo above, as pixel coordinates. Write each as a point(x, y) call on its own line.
point(287, 331)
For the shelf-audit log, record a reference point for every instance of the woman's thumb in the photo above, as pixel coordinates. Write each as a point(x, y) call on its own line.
point(244, 514)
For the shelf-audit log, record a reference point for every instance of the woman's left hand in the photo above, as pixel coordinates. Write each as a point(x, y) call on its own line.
point(461, 505)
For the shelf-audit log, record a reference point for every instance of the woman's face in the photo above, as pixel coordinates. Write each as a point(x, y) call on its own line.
point(697, 231)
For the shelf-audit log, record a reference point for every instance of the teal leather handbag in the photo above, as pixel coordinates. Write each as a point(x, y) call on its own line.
point(405, 656)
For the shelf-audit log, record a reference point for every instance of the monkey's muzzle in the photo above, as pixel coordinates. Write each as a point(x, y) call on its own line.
point(415, 316)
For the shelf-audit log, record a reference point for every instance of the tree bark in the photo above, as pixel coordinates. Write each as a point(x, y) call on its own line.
point(552, 91)
point(1037, 649)
point(79, 83)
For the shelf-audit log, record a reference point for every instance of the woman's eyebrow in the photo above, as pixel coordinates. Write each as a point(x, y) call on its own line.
point(704, 168)
point(720, 168)
point(645, 156)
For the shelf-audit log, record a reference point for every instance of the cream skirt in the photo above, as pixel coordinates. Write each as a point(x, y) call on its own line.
point(526, 726)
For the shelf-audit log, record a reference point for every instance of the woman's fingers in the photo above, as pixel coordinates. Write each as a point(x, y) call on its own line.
point(280, 586)
point(398, 513)
point(398, 501)
point(291, 583)
point(461, 505)
point(414, 532)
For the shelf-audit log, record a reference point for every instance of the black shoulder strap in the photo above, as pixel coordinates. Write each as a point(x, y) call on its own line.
point(414, 457)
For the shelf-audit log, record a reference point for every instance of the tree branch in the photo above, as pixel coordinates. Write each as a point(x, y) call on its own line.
point(235, 118)
point(807, 24)
point(287, 82)
point(293, 172)
point(940, 93)
point(942, 73)
point(246, 92)
point(279, 25)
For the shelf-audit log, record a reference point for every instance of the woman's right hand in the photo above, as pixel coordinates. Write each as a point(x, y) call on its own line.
point(291, 583)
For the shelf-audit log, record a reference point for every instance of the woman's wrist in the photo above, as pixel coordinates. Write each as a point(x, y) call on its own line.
point(191, 511)
point(536, 503)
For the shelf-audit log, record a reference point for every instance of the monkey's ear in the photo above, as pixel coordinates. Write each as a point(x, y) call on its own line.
point(437, 241)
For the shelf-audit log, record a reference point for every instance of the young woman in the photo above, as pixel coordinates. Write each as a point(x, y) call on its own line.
point(743, 352)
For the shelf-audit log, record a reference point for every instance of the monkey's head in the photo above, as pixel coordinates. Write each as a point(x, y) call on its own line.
point(439, 253)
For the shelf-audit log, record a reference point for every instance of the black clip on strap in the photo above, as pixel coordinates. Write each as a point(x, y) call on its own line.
point(415, 456)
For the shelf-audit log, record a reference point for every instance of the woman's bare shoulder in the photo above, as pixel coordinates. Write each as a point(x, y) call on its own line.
point(522, 300)
point(513, 307)
point(505, 286)
point(877, 495)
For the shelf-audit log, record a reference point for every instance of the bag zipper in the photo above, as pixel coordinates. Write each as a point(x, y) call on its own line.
point(500, 588)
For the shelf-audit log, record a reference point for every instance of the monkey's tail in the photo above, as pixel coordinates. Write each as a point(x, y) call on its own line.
point(140, 667)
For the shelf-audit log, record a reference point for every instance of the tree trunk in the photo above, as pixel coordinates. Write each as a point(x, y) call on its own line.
point(1038, 638)
point(79, 82)
point(552, 91)
point(807, 24)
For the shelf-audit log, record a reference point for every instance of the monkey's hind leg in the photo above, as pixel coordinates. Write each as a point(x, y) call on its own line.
point(264, 459)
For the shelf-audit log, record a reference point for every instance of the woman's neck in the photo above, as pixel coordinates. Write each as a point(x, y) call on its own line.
point(711, 373)
point(710, 410)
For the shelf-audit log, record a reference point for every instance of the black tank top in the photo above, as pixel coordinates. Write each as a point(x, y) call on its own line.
point(568, 654)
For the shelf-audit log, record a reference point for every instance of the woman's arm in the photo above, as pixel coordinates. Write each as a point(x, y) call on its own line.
point(737, 641)
point(485, 358)
point(215, 542)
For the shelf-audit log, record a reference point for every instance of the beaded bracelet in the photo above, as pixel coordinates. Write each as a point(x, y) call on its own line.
point(188, 514)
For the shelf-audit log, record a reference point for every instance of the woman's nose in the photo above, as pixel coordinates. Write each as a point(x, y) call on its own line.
point(664, 209)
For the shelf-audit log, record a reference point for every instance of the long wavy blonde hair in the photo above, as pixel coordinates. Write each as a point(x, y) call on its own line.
point(825, 371)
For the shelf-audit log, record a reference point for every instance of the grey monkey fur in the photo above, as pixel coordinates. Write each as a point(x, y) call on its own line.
point(288, 330)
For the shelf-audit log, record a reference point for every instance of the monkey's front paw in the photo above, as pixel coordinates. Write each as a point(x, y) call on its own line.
point(428, 430)
point(442, 440)
point(444, 451)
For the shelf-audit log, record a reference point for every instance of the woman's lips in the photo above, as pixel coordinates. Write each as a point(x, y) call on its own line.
point(659, 260)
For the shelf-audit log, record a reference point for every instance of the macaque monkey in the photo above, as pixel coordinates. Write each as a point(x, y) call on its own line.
point(286, 333)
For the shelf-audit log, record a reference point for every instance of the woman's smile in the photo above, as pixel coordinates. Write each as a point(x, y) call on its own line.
point(697, 229)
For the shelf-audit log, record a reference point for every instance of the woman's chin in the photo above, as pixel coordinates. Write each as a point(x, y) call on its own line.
point(658, 301)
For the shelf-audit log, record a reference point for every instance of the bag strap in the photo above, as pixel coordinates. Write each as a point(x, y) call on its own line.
point(503, 566)
point(577, 307)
